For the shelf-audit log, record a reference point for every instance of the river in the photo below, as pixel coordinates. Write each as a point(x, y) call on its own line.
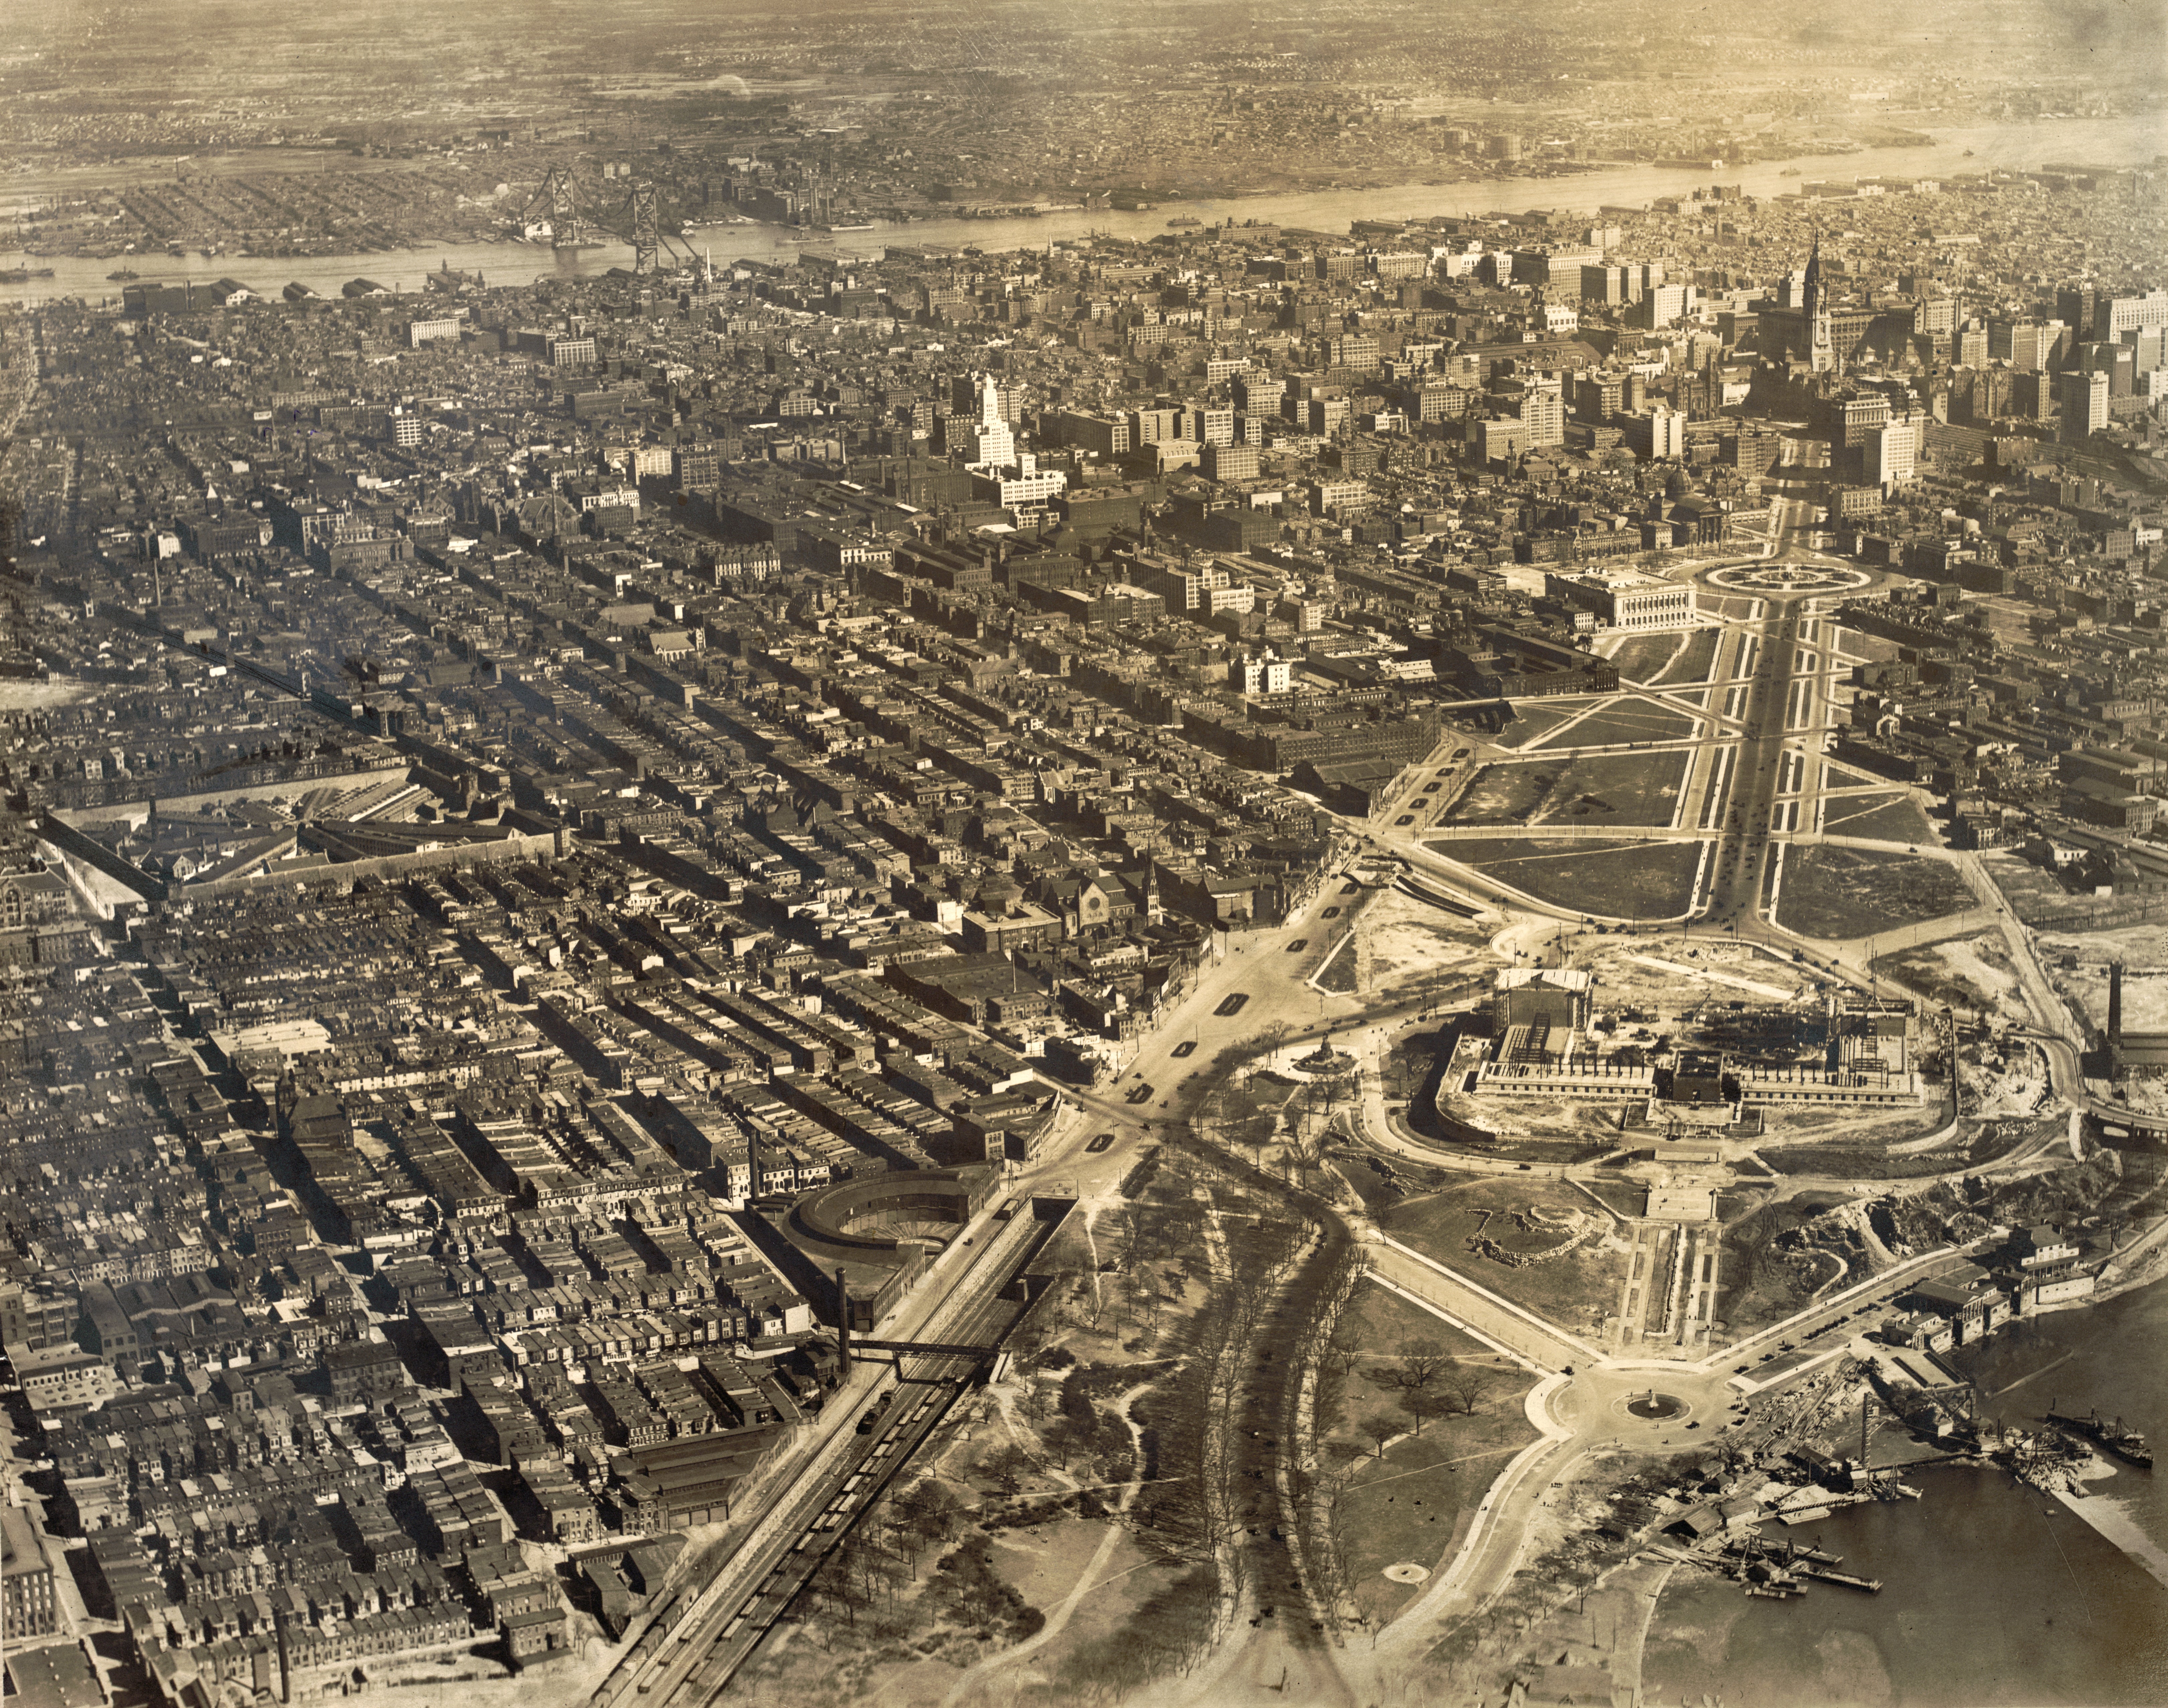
point(1993, 1593)
point(2091, 141)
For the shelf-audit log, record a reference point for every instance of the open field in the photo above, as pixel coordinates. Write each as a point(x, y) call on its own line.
point(1678, 657)
point(1579, 1263)
point(2143, 951)
point(1618, 880)
point(1641, 657)
point(1407, 944)
point(1890, 817)
point(1969, 972)
point(1856, 892)
point(1623, 788)
point(1409, 1503)
point(1628, 719)
point(1858, 644)
point(1694, 659)
point(1664, 978)
point(1771, 1263)
point(20, 695)
point(1533, 721)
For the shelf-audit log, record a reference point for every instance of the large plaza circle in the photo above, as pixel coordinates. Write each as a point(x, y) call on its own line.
point(1649, 1406)
point(1779, 579)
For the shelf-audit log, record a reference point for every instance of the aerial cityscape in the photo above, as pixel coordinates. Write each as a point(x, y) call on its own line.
point(988, 858)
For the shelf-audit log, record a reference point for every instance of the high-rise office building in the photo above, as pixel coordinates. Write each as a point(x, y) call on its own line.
point(1890, 456)
point(2085, 405)
point(990, 443)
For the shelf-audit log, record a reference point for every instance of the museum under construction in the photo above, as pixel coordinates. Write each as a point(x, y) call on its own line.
point(1540, 1039)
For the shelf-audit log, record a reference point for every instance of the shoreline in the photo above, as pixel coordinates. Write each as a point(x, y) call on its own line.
point(2115, 1526)
point(2015, 146)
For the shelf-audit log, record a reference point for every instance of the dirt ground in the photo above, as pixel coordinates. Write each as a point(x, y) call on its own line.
point(1616, 788)
point(1841, 892)
point(1660, 978)
point(1773, 1261)
point(20, 696)
point(1405, 940)
point(2143, 951)
point(1619, 880)
point(1975, 972)
point(1523, 1219)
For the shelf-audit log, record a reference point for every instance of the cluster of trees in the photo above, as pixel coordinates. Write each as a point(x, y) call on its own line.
point(966, 1590)
point(1429, 1382)
point(865, 1574)
point(1202, 1494)
point(1074, 1428)
point(1171, 1631)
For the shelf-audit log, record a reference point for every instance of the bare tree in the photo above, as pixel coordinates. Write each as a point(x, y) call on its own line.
point(1422, 1405)
point(1141, 1286)
point(1467, 1383)
point(1381, 1428)
point(1421, 1363)
point(1066, 1437)
point(1004, 1468)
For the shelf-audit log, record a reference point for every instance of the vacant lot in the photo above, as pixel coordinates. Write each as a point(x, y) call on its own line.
point(1617, 880)
point(1579, 1262)
point(1890, 817)
point(1769, 1268)
point(1621, 788)
point(1627, 720)
point(1972, 973)
point(1857, 892)
point(1536, 721)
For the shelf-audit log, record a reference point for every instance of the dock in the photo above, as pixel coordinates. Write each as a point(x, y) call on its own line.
point(1853, 1579)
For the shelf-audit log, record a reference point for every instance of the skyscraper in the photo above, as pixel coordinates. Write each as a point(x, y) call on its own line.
point(2085, 405)
point(993, 445)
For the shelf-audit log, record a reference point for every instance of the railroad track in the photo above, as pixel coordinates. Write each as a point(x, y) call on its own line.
point(693, 1663)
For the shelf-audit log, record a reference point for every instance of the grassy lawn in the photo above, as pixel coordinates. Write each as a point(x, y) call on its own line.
point(1624, 880)
point(1855, 892)
point(1693, 665)
point(1639, 788)
point(1339, 973)
point(1412, 1505)
point(1532, 723)
point(1885, 818)
point(1520, 1219)
point(1642, 658)
point(1856, 1164)
point(1628, 719)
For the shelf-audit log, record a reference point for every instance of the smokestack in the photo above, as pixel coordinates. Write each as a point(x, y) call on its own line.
point(842, 1327)
point(2114, 1002)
